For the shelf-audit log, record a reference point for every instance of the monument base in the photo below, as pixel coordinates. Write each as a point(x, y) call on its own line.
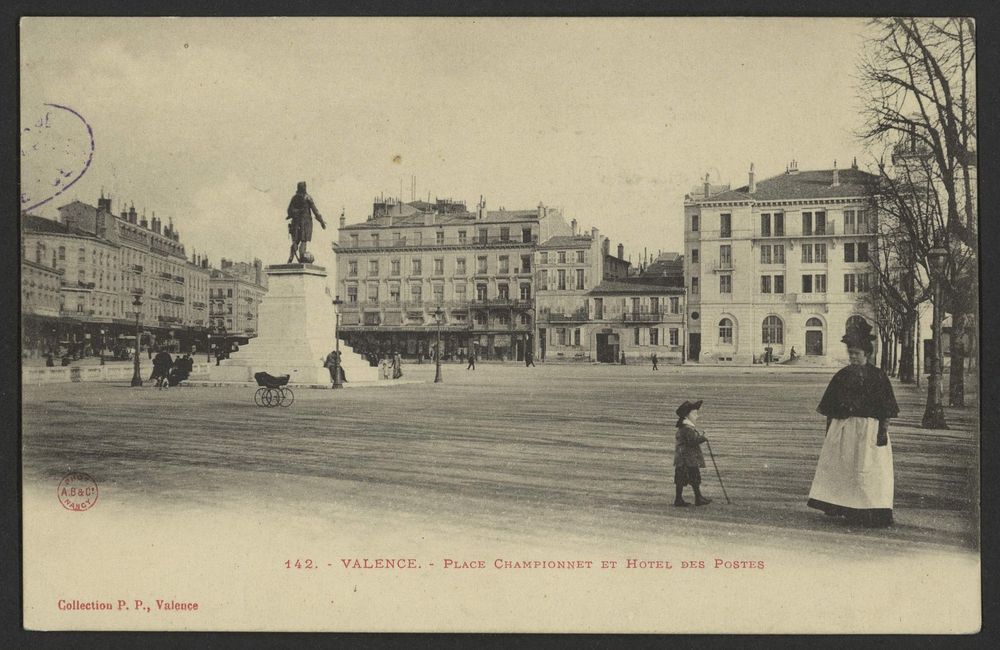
point(296, 325)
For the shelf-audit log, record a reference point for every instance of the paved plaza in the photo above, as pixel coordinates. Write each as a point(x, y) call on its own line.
point(577, 449)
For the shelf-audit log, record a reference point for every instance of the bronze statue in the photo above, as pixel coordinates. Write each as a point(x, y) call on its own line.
point(300, 213)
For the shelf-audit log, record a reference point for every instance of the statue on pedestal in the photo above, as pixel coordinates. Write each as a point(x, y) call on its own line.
point(300, 215)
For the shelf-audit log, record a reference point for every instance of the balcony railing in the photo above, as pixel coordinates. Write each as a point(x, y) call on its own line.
point(579, 316)
point(722, 265)
point(137, 268)
point(813, 297)
point(643, 317)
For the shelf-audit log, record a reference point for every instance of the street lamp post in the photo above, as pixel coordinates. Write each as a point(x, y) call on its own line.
point(102, 346)
point(136, 377)
point(438, 317)
point(337, 302)
point(208, 348)
point(934, 413)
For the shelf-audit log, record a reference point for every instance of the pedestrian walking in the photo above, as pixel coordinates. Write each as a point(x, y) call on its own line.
point(854, 476)
point(652, 358)
point(688, 459)
point(623, 358)
point(529, 359)
point(472, 360)
point(397, 366)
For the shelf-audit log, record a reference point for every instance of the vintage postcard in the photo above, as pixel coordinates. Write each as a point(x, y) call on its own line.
point(503, 325)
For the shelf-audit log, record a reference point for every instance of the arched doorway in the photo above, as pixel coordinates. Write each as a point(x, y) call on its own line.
point(814, 337)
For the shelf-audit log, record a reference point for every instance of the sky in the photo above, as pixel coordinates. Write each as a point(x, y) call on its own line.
point(211, 122)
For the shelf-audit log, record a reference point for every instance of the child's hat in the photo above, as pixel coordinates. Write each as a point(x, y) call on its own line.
point(684, 409)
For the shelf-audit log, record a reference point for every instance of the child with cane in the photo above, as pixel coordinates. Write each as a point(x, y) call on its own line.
point(688, 459)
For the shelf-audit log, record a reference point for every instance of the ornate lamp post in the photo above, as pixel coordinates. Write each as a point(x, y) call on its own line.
point(934, 413)
point(208, 346)
point(136, 377)
point(102, 346)
point(337, 302)
point(438, 317)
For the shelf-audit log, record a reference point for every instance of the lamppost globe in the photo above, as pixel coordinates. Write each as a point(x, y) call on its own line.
point(936, 262)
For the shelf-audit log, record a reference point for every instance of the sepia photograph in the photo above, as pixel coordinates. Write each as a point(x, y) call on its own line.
point(440, 324)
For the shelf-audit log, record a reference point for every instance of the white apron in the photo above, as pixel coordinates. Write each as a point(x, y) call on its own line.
point(853, 472)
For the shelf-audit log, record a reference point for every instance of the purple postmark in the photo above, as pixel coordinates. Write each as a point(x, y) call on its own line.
point(57, 147)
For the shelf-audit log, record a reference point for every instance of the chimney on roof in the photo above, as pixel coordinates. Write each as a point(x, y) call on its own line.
point(572, 225)
point(708, 187)
point(621, 251)
point(606, 246)
point(793, 167)
point(481, 208)
point(593, 234)
point(541, 210)
point(343, 219)
point(836, 175)
point(753, 183)
point(854, 165)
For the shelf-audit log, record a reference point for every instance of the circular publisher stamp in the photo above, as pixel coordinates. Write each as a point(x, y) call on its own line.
point(77, 491)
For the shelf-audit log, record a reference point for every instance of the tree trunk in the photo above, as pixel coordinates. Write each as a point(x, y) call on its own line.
point(906, 348)
point(895, 356)
point(885, 361)
point(956, 375)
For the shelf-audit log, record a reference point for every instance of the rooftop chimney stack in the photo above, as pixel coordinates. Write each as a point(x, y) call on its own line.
point(708, 187)
point(343, 219)
point(481, 208)
point(621, 251)
point(854, 165)
point(541, 210)
point(572, 225)
point(793, 167)
point(836, 175)
point(753, 183)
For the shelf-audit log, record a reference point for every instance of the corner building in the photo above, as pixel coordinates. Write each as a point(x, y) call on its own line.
point(778, 264)
point(408, 261)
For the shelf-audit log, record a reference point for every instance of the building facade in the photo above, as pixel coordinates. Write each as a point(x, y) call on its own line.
point(105, 261)
point(234, 296)
point(411, 266)
point(778, 264)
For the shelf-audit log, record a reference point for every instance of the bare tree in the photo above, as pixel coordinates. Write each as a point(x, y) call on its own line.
point(918, 88)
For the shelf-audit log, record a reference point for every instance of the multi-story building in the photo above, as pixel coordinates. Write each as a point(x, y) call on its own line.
point(235, 293)
point(410, 264)
point(105, 261)
point(778, 264)
point(589, 309)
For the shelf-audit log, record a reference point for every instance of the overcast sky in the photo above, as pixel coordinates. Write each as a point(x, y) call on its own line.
point(213, 121)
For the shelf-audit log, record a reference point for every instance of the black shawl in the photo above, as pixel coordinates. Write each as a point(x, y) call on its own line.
point(859, 391)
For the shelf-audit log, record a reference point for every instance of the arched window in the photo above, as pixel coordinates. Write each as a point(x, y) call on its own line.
point(773, 330)
point(726, 331)
point(814, 322)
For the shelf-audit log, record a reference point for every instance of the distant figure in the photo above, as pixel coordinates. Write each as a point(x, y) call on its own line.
point(332, 363)
point(49, 361)
point(793, 355)
point(383, 368)
point(397, 366)
point(653, 359)
point(529, 359)
point(162, 363)
point(300, 215)
point(623, 358)
point(181, 370)
point(472, 360)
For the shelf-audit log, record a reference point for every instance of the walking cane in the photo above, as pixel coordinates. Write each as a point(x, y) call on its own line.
point(712, 456)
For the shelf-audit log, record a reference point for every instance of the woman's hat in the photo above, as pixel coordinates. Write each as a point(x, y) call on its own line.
point(684, 409)
point(859, 336)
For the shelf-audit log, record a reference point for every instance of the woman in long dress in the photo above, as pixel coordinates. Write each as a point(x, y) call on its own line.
point(854, 477)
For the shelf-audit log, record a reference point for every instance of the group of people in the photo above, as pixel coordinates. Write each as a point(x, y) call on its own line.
point(854, 476)
point(168, 371)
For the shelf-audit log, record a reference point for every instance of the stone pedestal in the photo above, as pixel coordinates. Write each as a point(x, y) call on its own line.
point(296, 324)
